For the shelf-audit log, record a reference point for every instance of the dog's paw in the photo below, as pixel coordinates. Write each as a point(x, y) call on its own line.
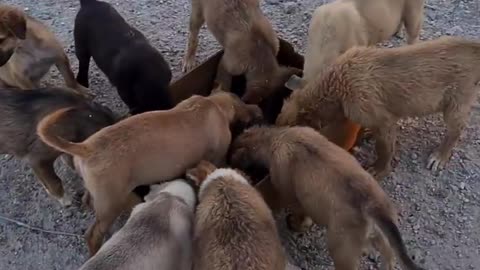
point(66, 200)
point(299, 223)
point(436, 162)
point(378, 174)
point(188, 65)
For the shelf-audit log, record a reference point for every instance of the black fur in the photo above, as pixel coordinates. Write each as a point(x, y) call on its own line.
point(138, 71)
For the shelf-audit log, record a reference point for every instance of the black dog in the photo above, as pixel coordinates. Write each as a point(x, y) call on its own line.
point(140, 73)
point(21, 110)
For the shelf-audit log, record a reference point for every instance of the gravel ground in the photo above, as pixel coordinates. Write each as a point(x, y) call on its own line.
point(439, 212)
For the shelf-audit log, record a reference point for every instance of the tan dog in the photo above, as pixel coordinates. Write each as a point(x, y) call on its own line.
point(337, 26)
point(375, 87)
point(316, 178)
point(249, 41)
point(147, 148)
point(234, 228)
point(33, 49)
point(157, 235)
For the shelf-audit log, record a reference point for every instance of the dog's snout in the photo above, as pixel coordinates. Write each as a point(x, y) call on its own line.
point(5, 56)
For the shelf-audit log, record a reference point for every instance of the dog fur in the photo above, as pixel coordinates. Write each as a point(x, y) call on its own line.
point(234, 228)
point(138, 71)
point(318, 179)
point(337, 26)
point(22, 110)
point(375, 87)
point(249, 41)
point(28, 49)
point(157, 235)
point(133, 152)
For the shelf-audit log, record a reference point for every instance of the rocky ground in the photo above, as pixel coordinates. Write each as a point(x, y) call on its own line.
point(440, 213)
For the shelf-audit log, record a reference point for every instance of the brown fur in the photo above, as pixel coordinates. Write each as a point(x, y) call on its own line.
point(375, 87)
point(316, 178)
point(234, 228)
point(31, 49)
point(249, 41)
point(147, 148)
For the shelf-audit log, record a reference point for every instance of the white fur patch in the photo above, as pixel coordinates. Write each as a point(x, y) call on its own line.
point(178, 188)
point(221, 173)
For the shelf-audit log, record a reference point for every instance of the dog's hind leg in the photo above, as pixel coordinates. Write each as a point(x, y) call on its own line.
point(385, 138)
point(63, 65)
point(45, 172)
point(345, 241)
point(381, 244)
point(196, 22)
point(413, 20)
point(83, 56)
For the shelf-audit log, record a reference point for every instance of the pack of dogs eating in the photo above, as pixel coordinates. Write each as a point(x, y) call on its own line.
point(211, 192)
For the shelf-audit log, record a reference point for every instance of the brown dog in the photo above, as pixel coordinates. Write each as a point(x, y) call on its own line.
point(234, 228)
point(316, 178)
point(147, 148)
point(28, 50)
point(337, 26)
point(157, 235)
point(249, 41)
point(375, 87)
point(21, 112)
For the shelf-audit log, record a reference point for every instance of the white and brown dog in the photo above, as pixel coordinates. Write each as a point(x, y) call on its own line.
point(28, 49)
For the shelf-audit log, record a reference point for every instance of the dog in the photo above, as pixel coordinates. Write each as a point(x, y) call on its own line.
point(133, 152)
point(318, 179)
point(375, 87)
point(234, 228)
point(138, 71)
point(22, 110)
point(28, 49)
point(250, 46)
point(157, 235)
point(337, 26)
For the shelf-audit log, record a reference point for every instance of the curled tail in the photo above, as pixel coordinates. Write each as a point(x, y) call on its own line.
point(44, 131)
point(390, 230)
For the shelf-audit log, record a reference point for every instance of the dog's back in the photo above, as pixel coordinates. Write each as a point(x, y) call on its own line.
point(234, 227)
point(156, 236)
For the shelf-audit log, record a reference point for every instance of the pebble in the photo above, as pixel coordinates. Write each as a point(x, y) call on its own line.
point(462, 185)
point(290, 7)
point(414, 156)
point(454, 30)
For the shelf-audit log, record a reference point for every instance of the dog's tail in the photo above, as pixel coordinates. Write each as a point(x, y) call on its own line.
point(44, 131)
point(86, 2)
point(391, 231)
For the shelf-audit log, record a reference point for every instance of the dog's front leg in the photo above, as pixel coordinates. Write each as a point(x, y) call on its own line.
point(196, 22)
point(63, 65)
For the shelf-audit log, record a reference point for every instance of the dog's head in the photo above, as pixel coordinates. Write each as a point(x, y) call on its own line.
point(247, 147)
point(265, 84)
point(178, 188)
point(200, 172)
point(13, 29)
point(290, 110)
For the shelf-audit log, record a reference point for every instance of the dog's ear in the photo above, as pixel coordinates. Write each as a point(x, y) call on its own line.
point(295, 83)
point(200, 173)
point(14, 21)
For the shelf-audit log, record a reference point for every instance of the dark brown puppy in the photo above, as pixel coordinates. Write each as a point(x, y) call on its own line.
point(250, 45)
point(22, 110)
point(316, 178)
point(148, 148)
point(375, 87)
point(234, 228)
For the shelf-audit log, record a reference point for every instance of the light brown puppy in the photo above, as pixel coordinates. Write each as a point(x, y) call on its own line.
point(337, 26)
point(316, 178)
point(148, 148)
point(157, 235)
point(375, 87)
point(250, 45)
point(234, 228)
point(33, 49)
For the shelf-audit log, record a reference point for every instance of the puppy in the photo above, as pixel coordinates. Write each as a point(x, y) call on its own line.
point(337, 26)
point(250, 45)
point(157, 235)
point(138, 71)
point(22, 110)
point(133, 152)
point(316, 178)
point(28, 50)
point(234, 228)
point(375, 87)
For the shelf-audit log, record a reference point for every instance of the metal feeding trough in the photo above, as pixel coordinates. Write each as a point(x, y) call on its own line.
point(200, 81)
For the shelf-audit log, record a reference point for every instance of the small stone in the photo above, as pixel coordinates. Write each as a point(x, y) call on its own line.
point(462, 185)
point(414, 156)
point(456, 30)
point(290, 7)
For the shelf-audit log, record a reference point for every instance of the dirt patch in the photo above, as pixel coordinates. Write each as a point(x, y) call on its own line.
point(439, 212)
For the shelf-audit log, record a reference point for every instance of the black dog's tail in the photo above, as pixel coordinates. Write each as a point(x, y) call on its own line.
point(390, 230)
point(86, 2)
